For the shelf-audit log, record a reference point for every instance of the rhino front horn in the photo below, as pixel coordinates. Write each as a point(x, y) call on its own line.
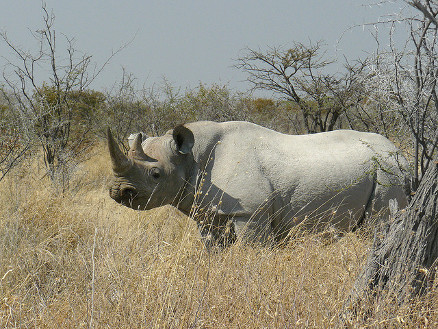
point(119, 160)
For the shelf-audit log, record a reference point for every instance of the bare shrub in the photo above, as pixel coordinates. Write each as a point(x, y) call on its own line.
point(48, 91)
point(400, 83)
point(13, 143)
point(124, 110)
point(155, 110)
point(300, 75)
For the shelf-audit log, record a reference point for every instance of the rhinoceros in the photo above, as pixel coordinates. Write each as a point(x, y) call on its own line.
point(238, 179)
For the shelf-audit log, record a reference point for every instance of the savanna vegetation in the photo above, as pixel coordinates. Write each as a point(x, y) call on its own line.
point(78, 259)
point(71, 257)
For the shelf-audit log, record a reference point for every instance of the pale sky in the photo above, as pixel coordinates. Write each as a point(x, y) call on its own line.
point(190, 41)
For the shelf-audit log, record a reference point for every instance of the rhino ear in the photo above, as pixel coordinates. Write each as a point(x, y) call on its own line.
point(184, 139)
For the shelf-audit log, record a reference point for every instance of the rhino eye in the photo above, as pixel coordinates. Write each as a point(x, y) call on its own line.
point(155, 173)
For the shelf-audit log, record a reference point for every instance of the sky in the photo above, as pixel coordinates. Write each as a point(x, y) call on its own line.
point(192, 41)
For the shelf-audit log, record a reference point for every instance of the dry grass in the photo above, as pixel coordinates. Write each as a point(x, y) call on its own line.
point(81, 260)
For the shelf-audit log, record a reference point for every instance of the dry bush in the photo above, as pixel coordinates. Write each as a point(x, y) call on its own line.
point(78, 259)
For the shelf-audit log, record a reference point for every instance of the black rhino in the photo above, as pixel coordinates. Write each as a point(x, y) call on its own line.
point(240, 179)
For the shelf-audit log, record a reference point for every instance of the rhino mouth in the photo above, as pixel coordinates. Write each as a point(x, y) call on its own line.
point(128, 197)
point(131, 198)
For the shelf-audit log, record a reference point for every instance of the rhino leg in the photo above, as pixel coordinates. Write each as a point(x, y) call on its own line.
point(253, 230)
point(217, 231)
point(223, 230)
point(386, 188)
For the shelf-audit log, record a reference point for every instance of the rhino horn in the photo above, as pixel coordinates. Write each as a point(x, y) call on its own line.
point(136, 150)
point(119, 160)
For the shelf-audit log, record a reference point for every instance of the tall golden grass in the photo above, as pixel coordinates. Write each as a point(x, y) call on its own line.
point(78, 259)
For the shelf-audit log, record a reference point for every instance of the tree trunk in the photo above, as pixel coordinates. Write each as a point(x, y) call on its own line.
point(402, 261)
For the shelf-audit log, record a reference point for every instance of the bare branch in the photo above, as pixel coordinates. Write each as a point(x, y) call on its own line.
point(427, 9)
point(295, 74)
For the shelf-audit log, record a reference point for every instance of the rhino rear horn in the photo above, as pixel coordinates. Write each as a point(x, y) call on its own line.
point(119, 160)
point(136, 150)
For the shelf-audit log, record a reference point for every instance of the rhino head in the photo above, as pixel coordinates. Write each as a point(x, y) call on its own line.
point(154, 174)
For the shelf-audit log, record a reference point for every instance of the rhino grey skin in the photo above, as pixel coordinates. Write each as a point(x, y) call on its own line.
point(237, 178)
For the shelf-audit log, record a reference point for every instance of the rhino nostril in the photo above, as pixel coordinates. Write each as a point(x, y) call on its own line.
point(128, 193)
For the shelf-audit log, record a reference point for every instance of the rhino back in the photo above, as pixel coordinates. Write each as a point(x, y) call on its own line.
point(252, 164)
